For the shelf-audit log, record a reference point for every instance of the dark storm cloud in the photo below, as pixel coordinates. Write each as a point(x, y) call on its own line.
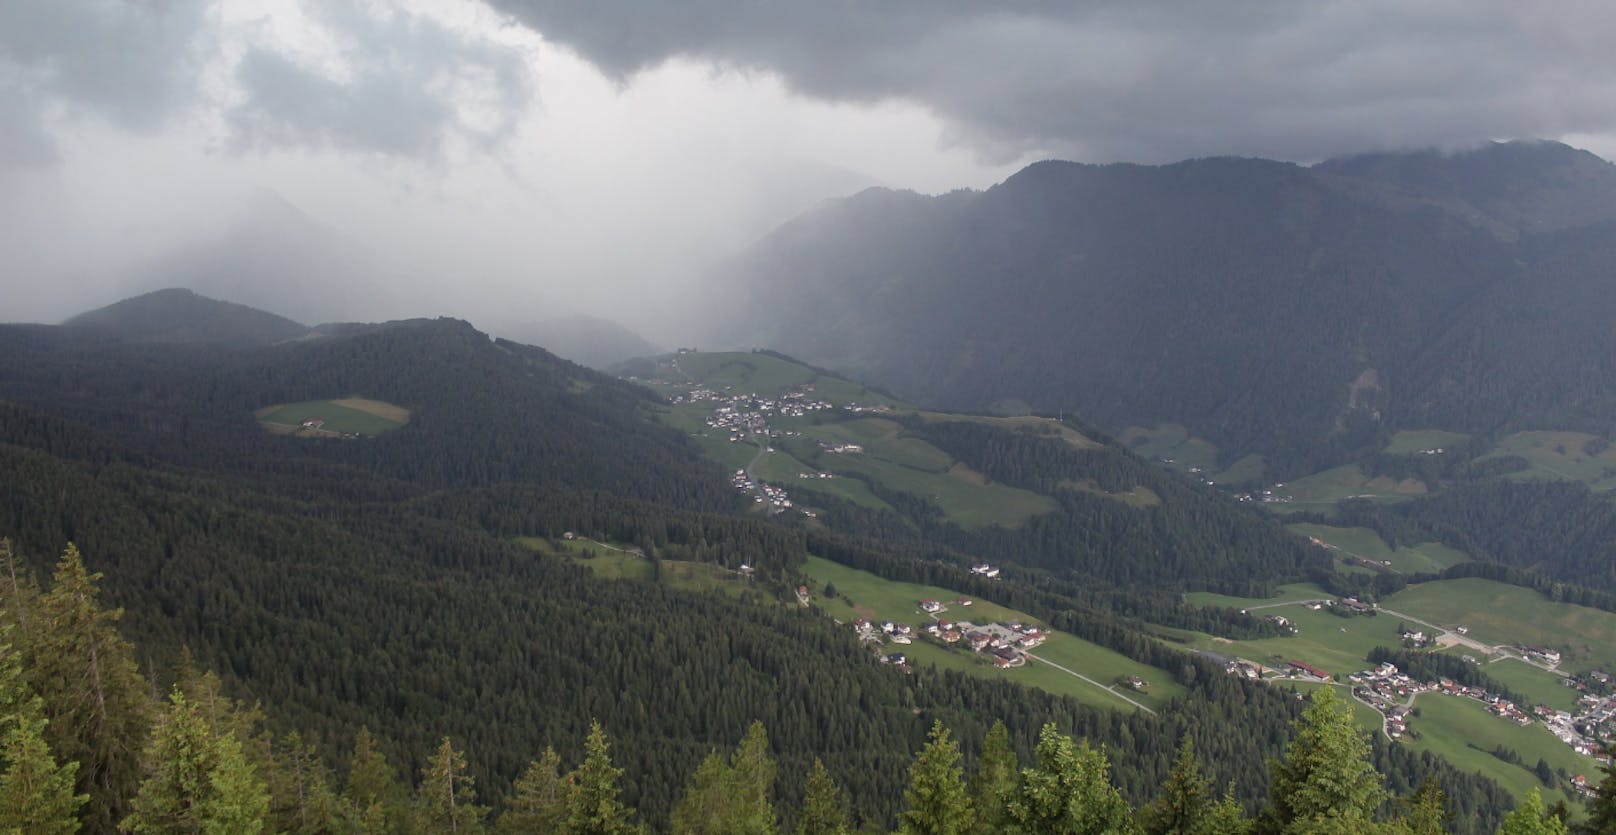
point(1148, 81)
point(407, 85)
point(131, 63)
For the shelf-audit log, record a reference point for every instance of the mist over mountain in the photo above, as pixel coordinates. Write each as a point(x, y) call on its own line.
point(586, 340)
point(271, 255)
point(1297, 312)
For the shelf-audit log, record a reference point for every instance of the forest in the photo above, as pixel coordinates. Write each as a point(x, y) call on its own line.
point(375, 587)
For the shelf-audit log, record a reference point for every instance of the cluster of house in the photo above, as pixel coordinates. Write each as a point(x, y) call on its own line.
point(773, 496)
point(868, 410)
point(1388, 690)
point(743, 415)
point(985, 570)
point(1542, 655)
point(840, 449)
point(1415, 638)
point(1005, 644)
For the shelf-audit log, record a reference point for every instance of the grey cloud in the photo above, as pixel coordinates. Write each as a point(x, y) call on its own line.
point(409, 85)
point(128, 62)
point(1148, 81)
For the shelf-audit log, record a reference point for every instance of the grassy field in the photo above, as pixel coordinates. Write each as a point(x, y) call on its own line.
point(1497, 613)
point(1336, 644)
point(772, 376)
point(864, 595)
point(1463, 731)
point(1042, 425)
point(1348, 481)
point(1363, 542)
point(1535, 683)
point(1171, 442)
point(342, 416)
point(1561, 455)
point(1409, 441)
point(619, 562)
point(1291, 593)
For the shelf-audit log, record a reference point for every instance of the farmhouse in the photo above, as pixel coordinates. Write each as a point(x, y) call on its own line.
point(1309, 669)
point(313, 423)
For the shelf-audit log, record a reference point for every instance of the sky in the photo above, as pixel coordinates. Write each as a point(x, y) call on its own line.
point(513, 160)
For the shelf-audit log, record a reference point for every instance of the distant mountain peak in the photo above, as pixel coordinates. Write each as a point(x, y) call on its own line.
point(178, 314)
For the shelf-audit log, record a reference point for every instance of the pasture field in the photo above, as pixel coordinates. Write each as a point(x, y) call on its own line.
point(1291, 593)
point(1248, 469)
point(617, 562)
point(349, 415)
point(1171, 442)
point(1410, 441)
point(1502, 614)
point(1042, 425)
point(1363, 542)
point(1535, 683)
point(1571, 456)
point(771, 376)
point(965, 496)
point(1348, 481)
point(861, 594)
point(1463, 731)
point(1336, 644)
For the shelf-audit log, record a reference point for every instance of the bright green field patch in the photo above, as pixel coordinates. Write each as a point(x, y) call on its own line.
point(1561, 455)
point(861, 594)
point(1348, 481)
point(1171, 444)
point(1535, 683)
point(771, 376)
point(1248, 469)
point(337, 419)
point(1292, 593)
point(1463, 731)
point(1140, 496)
point(1498, 613)
point(1336, 644)
point(968, 499)
point(1413, 441)
point(1363, 542)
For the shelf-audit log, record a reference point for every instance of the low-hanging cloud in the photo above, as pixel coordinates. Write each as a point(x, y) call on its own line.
point(1149, 81)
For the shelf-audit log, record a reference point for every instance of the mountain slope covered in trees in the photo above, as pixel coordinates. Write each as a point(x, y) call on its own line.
point(348, 583)
point(1296, 312)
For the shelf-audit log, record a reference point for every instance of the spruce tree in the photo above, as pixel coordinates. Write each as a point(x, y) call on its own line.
point(708, 805)
point(36, 794)
point(1069, 791)
point(543, 796)
point(595, 807)
point(301, 799)
point(1426, 811)
point(824, 809)
point(994, 780)
point(446, 800)
point(94, 697)
point(374, 793)
point(1185, 800)
point(196, 782)
point(1530, 818)
point(1602, 808)
point(1326, 774)
point(937, 800)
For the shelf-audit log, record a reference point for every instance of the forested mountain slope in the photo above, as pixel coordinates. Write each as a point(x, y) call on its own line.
point(348, 582)
point(178, 315)
point(1297, 312)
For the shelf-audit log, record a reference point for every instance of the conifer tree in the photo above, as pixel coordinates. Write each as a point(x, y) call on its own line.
point(93, 695)
point(36, 794)
point(374, 793)
point(595, 807)
point(1602, 808)
point(1326, 772)
point(994, 780)
point(1530, 818)
point(196, 782)
point(1069, 791)
point(708, 806)
point(446, 800)
point(1425, 812)
point(1185, 800)
point(543, 796)
point(824, 809)
point(937, 800)
point(301, 799)
point(1226, 817)
point(752, 773)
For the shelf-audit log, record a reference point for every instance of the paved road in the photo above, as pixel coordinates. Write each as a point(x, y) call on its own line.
point(1104, 687)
